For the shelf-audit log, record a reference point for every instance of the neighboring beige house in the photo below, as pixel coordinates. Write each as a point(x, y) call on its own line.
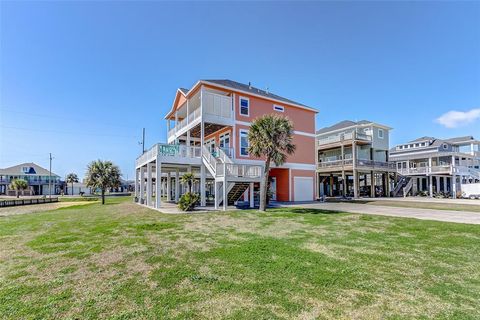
point(39, 179)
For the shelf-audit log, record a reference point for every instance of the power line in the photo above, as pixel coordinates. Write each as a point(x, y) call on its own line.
point(68, 132)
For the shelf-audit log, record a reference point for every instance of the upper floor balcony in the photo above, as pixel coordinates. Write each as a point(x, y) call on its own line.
point(343, 139)
point(207, 106)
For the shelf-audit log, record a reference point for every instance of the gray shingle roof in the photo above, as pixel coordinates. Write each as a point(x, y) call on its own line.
point(460, 139)
point(245, 87)
point(344, 124)
point(184, 91)
point(337, 126)
point(17, 170)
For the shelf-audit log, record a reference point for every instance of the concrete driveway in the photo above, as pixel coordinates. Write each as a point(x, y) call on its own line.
point(424, 214)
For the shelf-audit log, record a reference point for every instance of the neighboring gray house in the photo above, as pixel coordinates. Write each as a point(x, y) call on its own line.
point(352, 159)
point(37, 177)
point(437, 165)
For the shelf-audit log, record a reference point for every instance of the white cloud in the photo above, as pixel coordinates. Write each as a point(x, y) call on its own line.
point(454, 119)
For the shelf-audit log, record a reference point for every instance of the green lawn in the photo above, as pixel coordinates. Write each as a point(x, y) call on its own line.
point(122, 261)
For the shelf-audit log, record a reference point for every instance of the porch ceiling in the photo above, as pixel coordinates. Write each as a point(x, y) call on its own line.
point(209, 129)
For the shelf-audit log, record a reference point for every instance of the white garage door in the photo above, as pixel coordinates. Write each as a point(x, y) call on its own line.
point(303, 188)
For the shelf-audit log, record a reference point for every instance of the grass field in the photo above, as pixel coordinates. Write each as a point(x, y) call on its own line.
point(122, 261)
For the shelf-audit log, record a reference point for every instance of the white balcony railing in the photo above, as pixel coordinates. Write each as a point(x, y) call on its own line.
point(445, 169)
point(344, 137)
point(168, 150)
point(359, 163)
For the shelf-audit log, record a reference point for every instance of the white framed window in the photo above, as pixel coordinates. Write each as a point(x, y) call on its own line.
point(380, 133)
point(278, 108)
point(445, 146)
point(243, 142)
point(224, 140)
point(244, 106)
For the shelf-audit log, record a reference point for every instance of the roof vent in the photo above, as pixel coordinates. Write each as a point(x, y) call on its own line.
point(249, 85)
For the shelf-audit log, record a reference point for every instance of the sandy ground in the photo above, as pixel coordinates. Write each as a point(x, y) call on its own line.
point(8, 211)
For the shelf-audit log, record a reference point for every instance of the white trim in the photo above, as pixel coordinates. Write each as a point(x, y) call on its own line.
point(278, 108)
point(244, 123)
point(234, 129)
point(302, 133)
point(240, 106)
point(289, 184)
point(286, 165)
point(240, 131)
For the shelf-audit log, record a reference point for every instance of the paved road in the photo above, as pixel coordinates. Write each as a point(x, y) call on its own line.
point(424, 214)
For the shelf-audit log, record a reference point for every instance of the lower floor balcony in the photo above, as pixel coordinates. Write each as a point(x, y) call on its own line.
point(350, 164)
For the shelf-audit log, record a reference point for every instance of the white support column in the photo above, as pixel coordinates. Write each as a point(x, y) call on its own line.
point(217, 194)
point(355, 173)
point(137, 174)
point(149, 184)
point(430, 185)
point(437, 183)
point(169, 187)
point(142, 184)
point(251, 202)
point(203, 201)
point(188, 144)
point(454, 186)
point(224, 191)
point(158, 184)
point(177, 185)
point(430, 182)
point(445, 184)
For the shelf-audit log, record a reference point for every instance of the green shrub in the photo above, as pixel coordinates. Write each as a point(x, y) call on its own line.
point(188, 201)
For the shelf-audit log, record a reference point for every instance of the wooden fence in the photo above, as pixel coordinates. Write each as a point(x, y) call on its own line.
point(22, 202)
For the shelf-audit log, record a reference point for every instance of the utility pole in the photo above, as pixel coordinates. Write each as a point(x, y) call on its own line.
point(50, 178)
point(143, 141)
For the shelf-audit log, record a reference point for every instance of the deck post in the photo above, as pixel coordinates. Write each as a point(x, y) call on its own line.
point(142, 184)
point(372, 182)
point(177, 185)
point(251, 202)
point(216, 194)
point(203, 201)
point(158, 184)
point(454, 186)
point(169, 187)
point(224, 189)
point(136, 183)
point(149, 184)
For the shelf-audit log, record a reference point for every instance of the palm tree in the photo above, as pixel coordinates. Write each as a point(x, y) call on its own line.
point(270, 136)
point(72, 178)
point(103, 175)
point(18, 184)
point(188, 179)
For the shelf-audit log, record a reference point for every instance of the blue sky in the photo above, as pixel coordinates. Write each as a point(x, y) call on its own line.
point(81, 79)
